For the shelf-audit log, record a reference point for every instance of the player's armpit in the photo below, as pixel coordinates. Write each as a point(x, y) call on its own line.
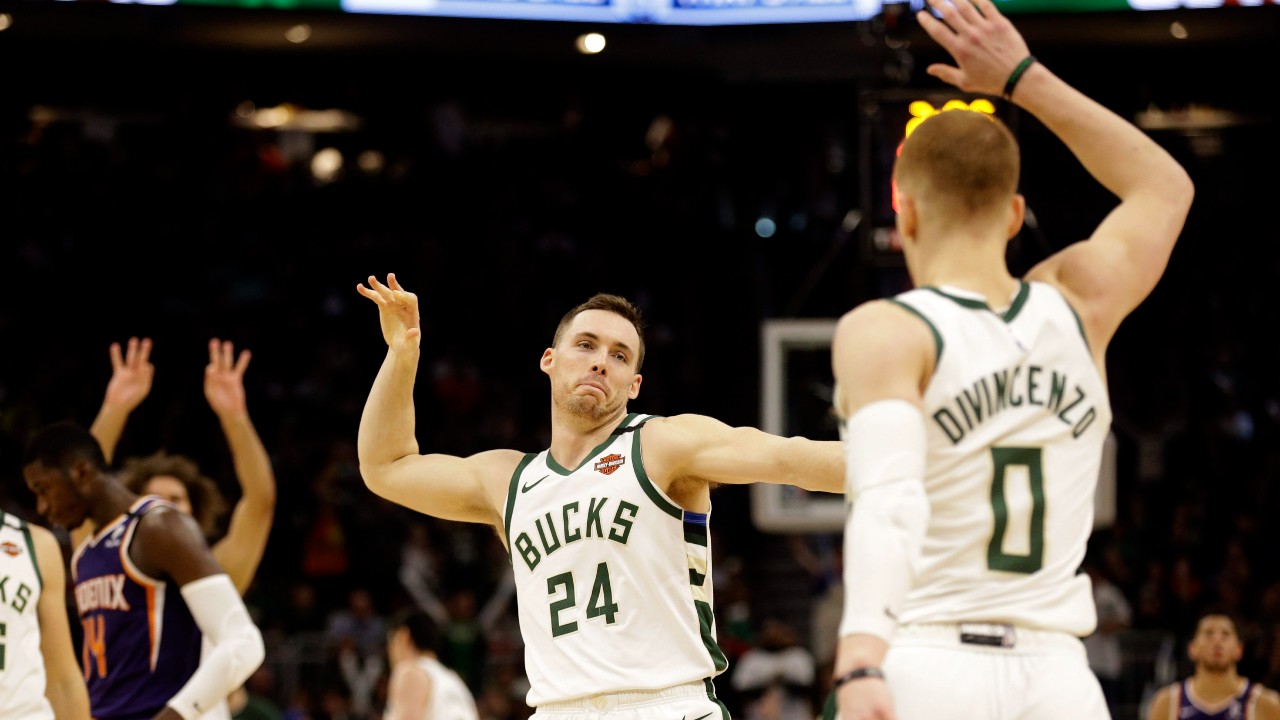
point(1108, 275)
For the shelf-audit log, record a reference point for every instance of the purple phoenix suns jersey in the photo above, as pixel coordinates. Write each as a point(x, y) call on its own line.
point(1240, 707)
point(141, 644)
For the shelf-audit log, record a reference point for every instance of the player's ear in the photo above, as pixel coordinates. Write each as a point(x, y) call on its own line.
point(908, 216)
point(81, 472)
point(634, 391)
point(548, 359)
point(1018, 207)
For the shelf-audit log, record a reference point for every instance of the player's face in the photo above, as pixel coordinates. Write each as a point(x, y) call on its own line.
point(1216, 646)
point(593, 370)
point(170, 488)
point(56, 496)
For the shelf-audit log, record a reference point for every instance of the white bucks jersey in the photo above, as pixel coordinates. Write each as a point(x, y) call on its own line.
point(22, 678)
point(1017, 415)
point(613, 578)
point(450, 697)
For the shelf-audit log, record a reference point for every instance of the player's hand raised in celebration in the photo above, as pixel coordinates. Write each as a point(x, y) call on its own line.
point(131, 374)
point(224, 378)
point(985, 45)
point(397, 312)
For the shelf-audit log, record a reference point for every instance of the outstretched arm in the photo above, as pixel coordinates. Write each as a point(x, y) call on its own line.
point(130, 383)
point(697, 446)
point(64, 685)
point(241, 549)
point(468, 489)
point(1108, 275)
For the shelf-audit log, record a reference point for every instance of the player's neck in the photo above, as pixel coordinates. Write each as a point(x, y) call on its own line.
point(1213, 687)
point(976, 267)
point(574, 436)
point(111, 501)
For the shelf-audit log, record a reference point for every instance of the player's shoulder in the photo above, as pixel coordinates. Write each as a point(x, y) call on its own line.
point(870, 310)
point(503, 461)
point(43, 540)
point(881, 312)
point(39, 533)
point(674, 435)
point(1268, 703)
point(162, 521)
point(411, 671)
point(884, 328)
point(1162, 700)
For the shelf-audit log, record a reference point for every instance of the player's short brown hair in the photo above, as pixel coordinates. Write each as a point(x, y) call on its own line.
point(610, 303)
point(964, 160)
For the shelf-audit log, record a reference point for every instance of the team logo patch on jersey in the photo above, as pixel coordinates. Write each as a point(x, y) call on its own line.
point(609, 463)
point(11, 549)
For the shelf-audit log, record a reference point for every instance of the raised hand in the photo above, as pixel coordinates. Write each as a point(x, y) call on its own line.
point(397, 312)
point(131, 374)
point(985, 45)
point(224, 379)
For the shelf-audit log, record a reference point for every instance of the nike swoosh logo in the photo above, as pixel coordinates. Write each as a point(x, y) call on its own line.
point(527, 488)
point(703, 717)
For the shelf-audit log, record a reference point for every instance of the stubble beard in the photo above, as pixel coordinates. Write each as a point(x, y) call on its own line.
point(1216, 666)
point(586, 407)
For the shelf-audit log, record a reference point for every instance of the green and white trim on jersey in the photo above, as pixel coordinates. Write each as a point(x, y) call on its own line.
point(613, 579)
point(1017, 413)
point(22, 675)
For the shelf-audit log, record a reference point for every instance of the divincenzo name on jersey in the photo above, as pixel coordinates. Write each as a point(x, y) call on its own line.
point(1013, 388)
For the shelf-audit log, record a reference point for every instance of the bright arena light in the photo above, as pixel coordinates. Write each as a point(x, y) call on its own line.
point(298, 33)
point(590, 43)
point(326, 164)
point(766, 227)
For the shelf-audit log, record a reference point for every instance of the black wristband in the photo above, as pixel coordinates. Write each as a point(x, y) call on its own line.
point(862, 672)
point(1016, 75)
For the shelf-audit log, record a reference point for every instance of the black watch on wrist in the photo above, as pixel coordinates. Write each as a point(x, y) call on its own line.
point(858, 674)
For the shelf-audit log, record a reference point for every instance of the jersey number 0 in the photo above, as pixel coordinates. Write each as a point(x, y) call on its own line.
point(1004, 458)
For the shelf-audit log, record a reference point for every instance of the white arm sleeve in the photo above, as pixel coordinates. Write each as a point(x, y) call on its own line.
point(884, 480)
point(237, 648)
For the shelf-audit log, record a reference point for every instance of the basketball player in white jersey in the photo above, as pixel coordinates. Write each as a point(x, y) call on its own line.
point(975, 406)
point(39, 676)
point(606, 529)
point(421, 687)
